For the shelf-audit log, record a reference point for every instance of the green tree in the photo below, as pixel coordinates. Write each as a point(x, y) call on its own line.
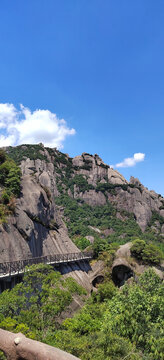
point(148, 253)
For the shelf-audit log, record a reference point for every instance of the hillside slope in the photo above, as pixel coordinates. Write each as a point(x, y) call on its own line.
point(93, 199)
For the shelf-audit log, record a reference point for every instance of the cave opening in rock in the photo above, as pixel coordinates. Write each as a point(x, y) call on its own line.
point(97, 280)
point(120, 274)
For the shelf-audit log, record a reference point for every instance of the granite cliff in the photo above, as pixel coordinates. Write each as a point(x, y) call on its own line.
point(37, 228)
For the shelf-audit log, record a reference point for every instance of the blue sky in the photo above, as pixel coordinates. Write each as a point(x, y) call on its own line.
point(97, 64)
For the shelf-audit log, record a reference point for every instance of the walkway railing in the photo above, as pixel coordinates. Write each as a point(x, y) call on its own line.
point(17, 347)
point(17, 267)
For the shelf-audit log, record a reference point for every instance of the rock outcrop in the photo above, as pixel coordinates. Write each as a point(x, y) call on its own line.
point(125, 267)
point(37, 227)
point(131, 196)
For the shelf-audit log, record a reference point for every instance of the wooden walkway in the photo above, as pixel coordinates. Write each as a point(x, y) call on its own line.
point(19, 267)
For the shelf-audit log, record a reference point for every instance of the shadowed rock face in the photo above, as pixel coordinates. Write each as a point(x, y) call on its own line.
point(32, 231)
point(121, 273)
point(97, 280)
point(121, 269)
point(97, 273)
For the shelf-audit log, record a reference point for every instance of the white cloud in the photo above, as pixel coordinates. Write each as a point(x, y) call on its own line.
point(8, 114)
point(26, 127)
point(129, 162)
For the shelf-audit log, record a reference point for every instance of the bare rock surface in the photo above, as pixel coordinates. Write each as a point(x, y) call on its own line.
point(124, 266)
point(92, 197)
point(96, 273)
point(114, 177)
point(90, 238)
point(33, 231)
point(138, 202)
point(131, 196)
point(79, 272)
point(124, 251)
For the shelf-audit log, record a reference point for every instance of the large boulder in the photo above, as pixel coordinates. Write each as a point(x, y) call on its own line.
point(125, 267)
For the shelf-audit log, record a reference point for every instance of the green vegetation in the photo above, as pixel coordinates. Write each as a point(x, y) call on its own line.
point(81, 242)
point(67, 178)
point(10, 176)
point(63, 159)
point(156, 217)
point(81, 182)
point(79, 216)
point(104, 166)
point(113, 324)
point(87, 163)
point(117, 324)
point(22, 152)
point(64, 170)
point(111, 188)
point(86, 166)
point(66, 181)
point(147, 253)
point(34, 305)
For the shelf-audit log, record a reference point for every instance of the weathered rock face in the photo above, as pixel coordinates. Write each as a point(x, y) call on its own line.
point(37, 227)
point(91, 197)
point(114, 177)
point(80, 272)
point(132, 197)
point(137, 202)
point(97, 273)
point(125, 267)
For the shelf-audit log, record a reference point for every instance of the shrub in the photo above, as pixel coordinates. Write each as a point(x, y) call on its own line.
point(10, 177)
point(86, 167)
point(156, 217)
point(22, 152)
point(2, 156)
point(151, 254)
point(137, 248)
point(79, 215)
point(81, 182)
point(4, 171)
point(99, 246)
point(2, 214)
point(106, 291)
point(5, 197)
point(148, 253)
point(12, 181)
point(81, 242)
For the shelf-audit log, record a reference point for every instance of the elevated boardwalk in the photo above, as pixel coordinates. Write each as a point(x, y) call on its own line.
point(19, 267)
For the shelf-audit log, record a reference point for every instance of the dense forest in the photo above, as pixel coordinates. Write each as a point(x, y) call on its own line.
point(113, 323)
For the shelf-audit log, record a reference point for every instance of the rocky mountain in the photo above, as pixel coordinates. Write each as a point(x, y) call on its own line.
point(50, 180)
point(110, 185)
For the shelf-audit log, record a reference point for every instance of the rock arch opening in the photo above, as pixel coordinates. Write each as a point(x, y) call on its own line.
point(97, 280)
point(121, 273)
